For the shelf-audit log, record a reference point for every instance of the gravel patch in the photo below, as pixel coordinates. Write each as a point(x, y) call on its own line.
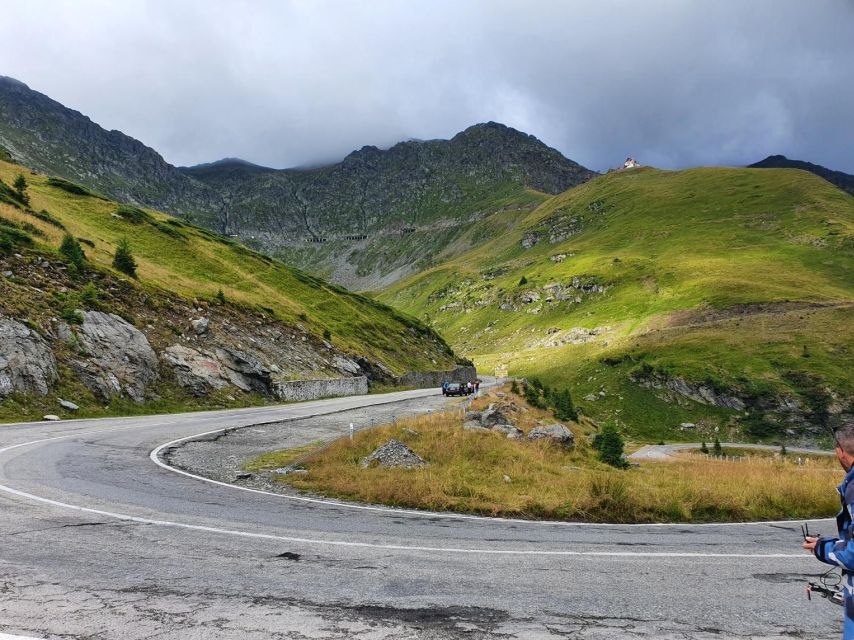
point(222, 456)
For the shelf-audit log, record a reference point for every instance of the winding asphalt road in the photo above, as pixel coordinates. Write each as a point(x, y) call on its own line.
point(98, 541)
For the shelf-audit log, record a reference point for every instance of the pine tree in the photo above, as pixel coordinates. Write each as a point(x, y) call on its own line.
point(783, 451)
point(610, 446)
point(123, 259)
point(72, 250)
point(564, 407)
point(717, 449)
point(704, 449)
point(20, 186)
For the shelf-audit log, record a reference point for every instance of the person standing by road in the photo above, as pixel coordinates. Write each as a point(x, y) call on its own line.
point(839, 551)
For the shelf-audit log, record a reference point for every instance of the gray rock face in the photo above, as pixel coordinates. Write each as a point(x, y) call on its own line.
point(198, 371)
point(245, 371)
point(557, 433)
point(121, 361)
point(394, 454)
point(345, 365)
point(705, 395)
point(27, 364)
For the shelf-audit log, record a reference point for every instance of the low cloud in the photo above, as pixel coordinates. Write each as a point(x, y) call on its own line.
point(291, 83)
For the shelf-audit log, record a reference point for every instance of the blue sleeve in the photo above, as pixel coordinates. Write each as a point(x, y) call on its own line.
point(837, 552)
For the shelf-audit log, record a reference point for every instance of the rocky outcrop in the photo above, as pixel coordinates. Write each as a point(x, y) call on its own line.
point(27, 364)
point(555, 433)
point(394, 454)
point(701, 393)
point(119, 359)
point(198, 372)
point(245, 371)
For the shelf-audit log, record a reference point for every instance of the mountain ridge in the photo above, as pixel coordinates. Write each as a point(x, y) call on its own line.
point(839, 179)
point(333, 220)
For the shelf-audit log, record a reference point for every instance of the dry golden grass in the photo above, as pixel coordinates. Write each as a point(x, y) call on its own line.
point(467, 470)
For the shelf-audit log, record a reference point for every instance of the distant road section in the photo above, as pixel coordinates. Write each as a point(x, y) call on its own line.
point(666, 451)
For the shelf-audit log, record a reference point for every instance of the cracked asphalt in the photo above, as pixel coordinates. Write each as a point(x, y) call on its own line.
point(96, 541)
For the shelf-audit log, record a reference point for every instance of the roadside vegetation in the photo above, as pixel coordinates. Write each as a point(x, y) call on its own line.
point(486, 473)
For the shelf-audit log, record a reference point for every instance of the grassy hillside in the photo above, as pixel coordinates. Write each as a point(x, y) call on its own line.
point(736, 280)
point(193, 262)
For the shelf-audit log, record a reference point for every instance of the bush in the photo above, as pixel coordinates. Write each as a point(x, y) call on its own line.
point(73, 252)
point(123, 260)
point(8, 196)
point(327, 335)
point(704, 449)
point(13, 237)
point(514, 387)
point(523, 281)
point(220, 297)
point(44, 216)
point(71, 315)
point(134, 215)
point(90, 295)
point(70, 187)
point(609, 444)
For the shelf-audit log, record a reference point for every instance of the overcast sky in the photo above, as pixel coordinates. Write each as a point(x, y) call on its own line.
point(673, 83)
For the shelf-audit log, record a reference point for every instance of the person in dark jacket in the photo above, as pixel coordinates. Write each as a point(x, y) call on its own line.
point(839, 550)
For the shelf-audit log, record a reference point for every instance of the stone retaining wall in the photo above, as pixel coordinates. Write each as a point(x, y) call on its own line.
point(298, 390)
point(427, 379)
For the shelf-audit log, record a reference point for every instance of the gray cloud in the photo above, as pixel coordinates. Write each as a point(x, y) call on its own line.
point(289, 83)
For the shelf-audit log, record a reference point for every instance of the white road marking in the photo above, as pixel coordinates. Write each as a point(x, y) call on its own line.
point(386, 547)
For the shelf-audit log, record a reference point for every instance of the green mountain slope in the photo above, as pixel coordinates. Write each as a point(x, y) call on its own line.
point(716, 297)
point(191, 262)
point(363, 222)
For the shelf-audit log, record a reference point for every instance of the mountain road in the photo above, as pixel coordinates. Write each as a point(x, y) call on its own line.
point(101, 539)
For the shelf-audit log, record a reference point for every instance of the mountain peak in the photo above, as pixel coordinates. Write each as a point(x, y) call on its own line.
point(842, 180)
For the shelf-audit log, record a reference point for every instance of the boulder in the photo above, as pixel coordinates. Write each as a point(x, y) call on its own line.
point(493, 416)
point(198, 371)
point(27, 364)
point(120, 361)
point(557, 433)
point(67, 404)
point(510, 430)
point(200, 325)
point(345, 365)
point(394, 454)
point(51, 418)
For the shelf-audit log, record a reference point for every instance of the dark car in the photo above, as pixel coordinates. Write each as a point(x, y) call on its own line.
point(454, 389)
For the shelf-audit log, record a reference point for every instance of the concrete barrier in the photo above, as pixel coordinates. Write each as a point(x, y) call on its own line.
point(299, 390)
point(427, 379)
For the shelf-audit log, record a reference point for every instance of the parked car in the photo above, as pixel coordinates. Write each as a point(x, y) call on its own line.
point(454, 389)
